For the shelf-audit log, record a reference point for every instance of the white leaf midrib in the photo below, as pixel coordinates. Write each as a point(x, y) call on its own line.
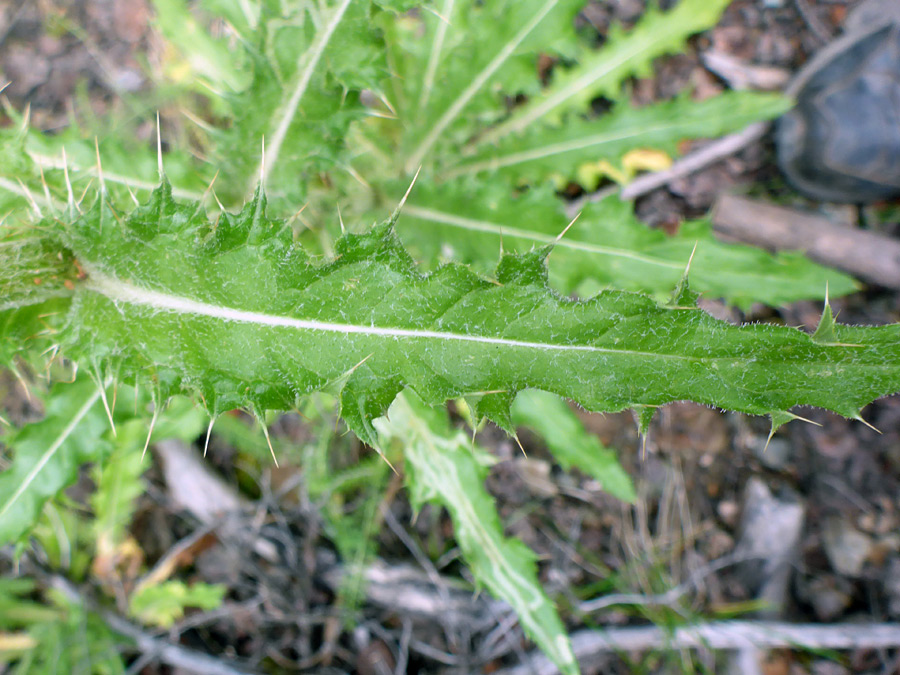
point(435, 53)
point(119, 291)
point(455, 108)
point(649, 38)
point(474, 225)
point(440, 473)
point(543, 151)
point(504, 230)
point(50, 451)
point(307, 64)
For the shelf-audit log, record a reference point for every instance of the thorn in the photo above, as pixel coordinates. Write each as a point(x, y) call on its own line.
point(84, 194)
point(808, 421)
point(566, 229)
point(150, 431)
point(106, 406)
point(826, 293)
point(3, 420)
point(133, 197)
point(216, 197)
point(210, 186)
point(438, 15)
point(341, 220)
point(296, 215)
point(388, 462)
point(262, 170)
point(31, 200)
point(47, 198)
point(262, 423)
point(51, 348)
point(21, 380)
point(396, 214)
point(387, 104)
point(644, 447)
point(203, 124)
point(859, 418)
point(212, 420)
point(99, 167)
point(159, 159)
point(350, 371)
point(519, 443)
point(384, 458)
point(687, 269)
point(359, 179)
point(772, 431)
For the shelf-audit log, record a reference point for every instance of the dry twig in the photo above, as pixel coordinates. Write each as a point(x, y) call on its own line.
point(864, 254)
point(709, 154)
point(594, 646)
point(156, 647)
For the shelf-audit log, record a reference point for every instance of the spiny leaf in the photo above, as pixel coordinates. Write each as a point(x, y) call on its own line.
point(443, 83)
point(825, 331)
point(309, 63)
point(543, 152)
point(572, 445)
point(119, 484)
point(38, 166)
point(48, 454)
point(442, 467)
point(235, 312)
point(601, 72)
point(33, 271)
point(606, 247)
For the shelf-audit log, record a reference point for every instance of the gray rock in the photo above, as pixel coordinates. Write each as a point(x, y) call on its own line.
point(770, 532)
point(846, 547)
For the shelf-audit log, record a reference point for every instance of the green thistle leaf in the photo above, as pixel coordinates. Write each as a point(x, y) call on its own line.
point(572, 445)
point(601, 72)
point(606, 247)
point(543, 152)
point(235, 312)
point(49, 453)
point(443, 83)
point(443, 467)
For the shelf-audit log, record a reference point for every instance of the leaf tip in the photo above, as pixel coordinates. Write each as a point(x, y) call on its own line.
point(396, 214)
point(683, 296)
point(825, 331)
point(159, 157)
point(643, 415)
point(99, 168)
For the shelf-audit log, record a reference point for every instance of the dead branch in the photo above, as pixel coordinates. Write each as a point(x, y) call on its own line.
point(710, 154)
point(593, 646)
point(867, 255)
